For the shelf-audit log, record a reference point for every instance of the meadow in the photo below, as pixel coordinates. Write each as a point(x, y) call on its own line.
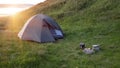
point(88, 21)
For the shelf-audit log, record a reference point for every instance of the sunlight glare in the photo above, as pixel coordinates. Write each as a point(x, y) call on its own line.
point(5, 11)
point(20, 1)
point(10, 10)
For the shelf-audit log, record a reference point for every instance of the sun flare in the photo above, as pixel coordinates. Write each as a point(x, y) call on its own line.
point(7, 8)
point(10, 10)
point(21, 1)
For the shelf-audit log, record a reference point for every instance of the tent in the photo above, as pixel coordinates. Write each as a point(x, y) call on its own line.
point(41, 28)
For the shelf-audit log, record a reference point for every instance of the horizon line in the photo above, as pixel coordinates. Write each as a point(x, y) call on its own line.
point(15, 5)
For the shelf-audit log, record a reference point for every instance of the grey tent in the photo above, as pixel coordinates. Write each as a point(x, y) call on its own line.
point(41, 28)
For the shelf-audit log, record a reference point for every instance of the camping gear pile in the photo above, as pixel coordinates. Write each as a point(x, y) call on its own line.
point(89, 50)
point(41, 28)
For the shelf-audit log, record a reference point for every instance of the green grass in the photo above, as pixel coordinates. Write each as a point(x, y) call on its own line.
point(88, 21)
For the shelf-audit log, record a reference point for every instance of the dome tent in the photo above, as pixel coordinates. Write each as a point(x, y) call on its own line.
point(40, 28)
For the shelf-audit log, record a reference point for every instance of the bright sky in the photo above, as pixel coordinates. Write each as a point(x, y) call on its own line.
point(20, 1)
point(12, 10)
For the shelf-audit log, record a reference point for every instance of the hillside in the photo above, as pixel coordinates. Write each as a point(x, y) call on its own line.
point(81, 9)
point(88, 21)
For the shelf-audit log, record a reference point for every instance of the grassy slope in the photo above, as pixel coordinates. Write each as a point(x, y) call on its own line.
point(88, 21)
